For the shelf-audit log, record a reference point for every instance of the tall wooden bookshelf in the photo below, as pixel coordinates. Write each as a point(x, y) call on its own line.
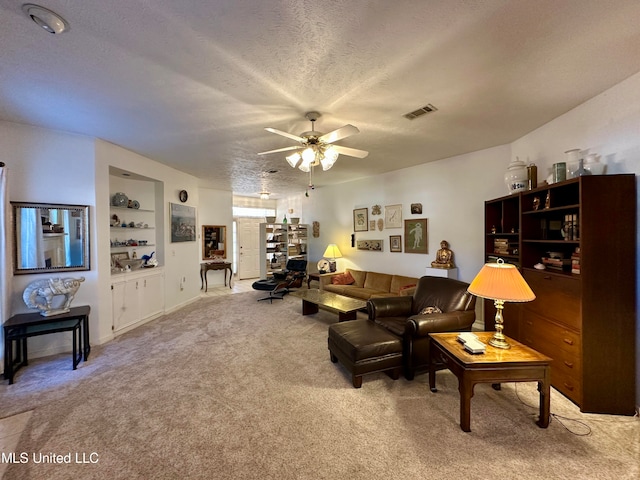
point(585, 321)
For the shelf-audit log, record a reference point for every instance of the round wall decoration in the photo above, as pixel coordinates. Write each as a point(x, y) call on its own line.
point(183, 196)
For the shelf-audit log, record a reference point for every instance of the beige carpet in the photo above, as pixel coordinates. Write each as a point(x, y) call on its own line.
point(229, 388)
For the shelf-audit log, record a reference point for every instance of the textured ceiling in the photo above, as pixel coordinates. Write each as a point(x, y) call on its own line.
point(193, 83)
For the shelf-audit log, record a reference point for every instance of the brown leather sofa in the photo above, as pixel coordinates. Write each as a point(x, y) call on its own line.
point(401, 316)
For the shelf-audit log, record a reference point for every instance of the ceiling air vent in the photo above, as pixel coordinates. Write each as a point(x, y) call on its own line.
point(428, 108)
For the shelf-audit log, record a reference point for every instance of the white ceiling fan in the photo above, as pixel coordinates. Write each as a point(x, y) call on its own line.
point(316, 148)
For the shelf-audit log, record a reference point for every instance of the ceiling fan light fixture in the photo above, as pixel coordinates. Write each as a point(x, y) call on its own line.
point(307, 162)
point(308, 155)
point(294, 159)
point(45, 18)
point(329, 158)
point(315, 148)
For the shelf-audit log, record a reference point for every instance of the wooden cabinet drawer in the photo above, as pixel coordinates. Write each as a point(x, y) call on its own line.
point(567, 364)
point(558, 297)
point(567, 384)
point(538, 332)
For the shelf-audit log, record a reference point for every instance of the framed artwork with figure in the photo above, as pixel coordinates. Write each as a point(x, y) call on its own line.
point(415, 236)
point(361, 219)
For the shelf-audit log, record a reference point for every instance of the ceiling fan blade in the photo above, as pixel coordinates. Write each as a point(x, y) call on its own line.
point(285, 134)
point(285, 149)
point(352, 152)
point(339, 134)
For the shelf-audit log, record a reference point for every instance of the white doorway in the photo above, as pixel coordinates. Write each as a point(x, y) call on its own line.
point(249, 249)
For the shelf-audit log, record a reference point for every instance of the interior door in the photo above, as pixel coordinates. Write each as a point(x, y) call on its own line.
point(249, 251)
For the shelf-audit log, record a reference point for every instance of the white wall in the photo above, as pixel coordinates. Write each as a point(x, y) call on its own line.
point(452, 194)
point(46, 166)
point(57, 167)
point(179, 259)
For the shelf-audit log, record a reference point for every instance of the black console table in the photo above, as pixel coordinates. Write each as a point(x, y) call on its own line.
point(24, 325)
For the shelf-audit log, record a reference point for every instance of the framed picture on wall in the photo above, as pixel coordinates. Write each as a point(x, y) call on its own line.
point(393, 216)
point(395, 243)
point(415, 236)
point(116, 257)
point(183, 223)
point(371, 245)
point(361, 219)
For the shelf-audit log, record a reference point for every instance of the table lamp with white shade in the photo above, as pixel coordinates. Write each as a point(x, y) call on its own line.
point(331, 253)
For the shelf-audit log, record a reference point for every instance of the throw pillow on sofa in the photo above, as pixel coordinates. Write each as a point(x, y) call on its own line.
point(428, 310)
point(342, 279)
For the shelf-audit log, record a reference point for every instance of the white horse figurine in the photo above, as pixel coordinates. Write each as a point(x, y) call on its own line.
point(39, 294)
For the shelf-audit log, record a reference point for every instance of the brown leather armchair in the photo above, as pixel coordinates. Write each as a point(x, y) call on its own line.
point(401, 316)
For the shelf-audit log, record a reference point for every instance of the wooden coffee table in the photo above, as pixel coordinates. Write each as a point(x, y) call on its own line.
point(517, 364)
point(345, 307)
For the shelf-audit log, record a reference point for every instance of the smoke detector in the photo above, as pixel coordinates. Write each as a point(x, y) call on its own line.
point(45, 18)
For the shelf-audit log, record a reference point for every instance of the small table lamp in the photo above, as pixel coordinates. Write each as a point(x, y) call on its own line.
point(332, 252)
point(500, 282)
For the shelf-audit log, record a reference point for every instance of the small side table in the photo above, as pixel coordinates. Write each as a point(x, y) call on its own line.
point(205, 267)
point(24, 325)
point(517, 364)
point(316, 276)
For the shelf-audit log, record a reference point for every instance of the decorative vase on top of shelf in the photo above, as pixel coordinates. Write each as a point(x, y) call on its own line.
point(581, 171)
point(592, 164)
point(575, 163)
point(516, 176)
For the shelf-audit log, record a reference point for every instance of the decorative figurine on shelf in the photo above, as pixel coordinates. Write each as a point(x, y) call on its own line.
point(149, 261)
point(444, 257)
point(536, 203)
point(39, 294)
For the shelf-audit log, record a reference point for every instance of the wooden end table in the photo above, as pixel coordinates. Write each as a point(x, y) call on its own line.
point(205, 267)
point(317, 276)
point(517, 364)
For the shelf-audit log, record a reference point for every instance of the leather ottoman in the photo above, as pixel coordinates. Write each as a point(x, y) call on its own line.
point(364, 347)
